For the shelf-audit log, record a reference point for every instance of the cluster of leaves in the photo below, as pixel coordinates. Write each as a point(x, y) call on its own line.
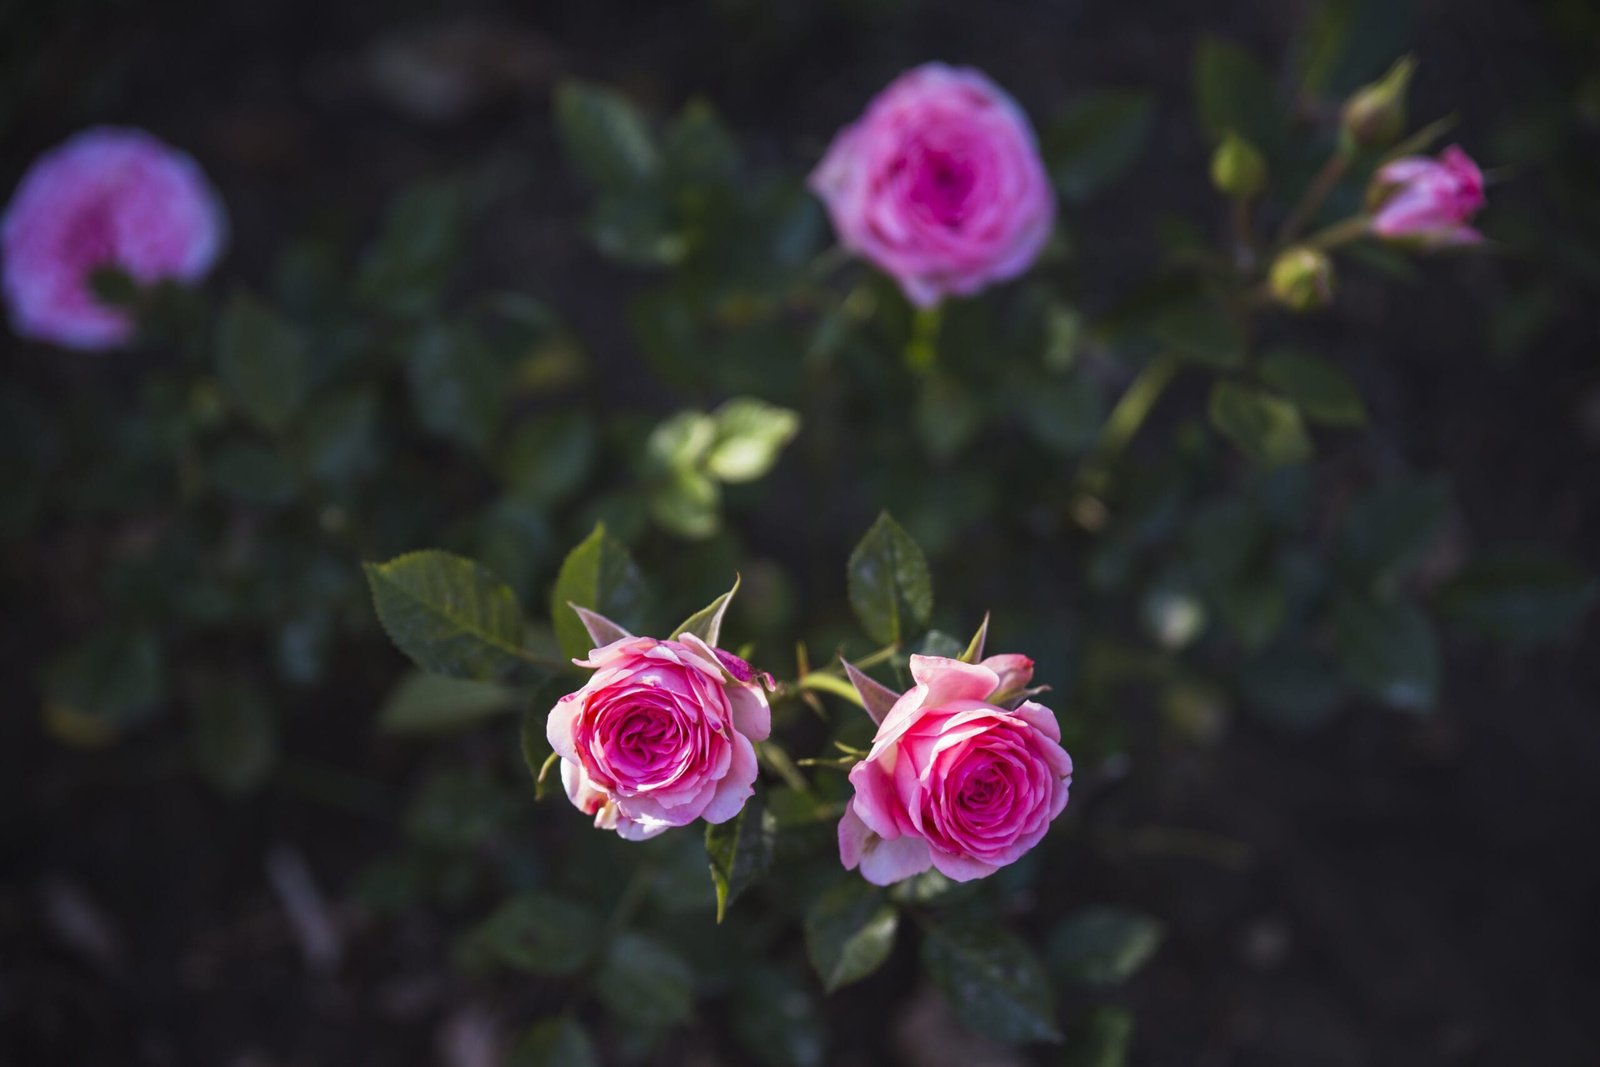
point(644, 965)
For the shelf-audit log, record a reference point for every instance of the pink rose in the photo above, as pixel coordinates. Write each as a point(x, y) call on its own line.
point(954, 780)
point(660, 735)
point(107, 197)
point(939, 184)
point(1429, 201)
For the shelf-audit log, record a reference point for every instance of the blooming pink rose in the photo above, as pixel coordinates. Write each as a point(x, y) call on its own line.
point(108, 197)
point(660, 735)
point(955, 781)
point(940, 184)
point(1429, 201)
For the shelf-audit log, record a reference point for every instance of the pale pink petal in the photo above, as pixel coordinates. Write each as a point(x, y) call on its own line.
point(888, 862)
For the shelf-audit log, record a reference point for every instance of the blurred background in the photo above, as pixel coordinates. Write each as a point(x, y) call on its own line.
point(1368, 887)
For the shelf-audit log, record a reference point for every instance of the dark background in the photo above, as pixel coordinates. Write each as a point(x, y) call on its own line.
point(1386, 890)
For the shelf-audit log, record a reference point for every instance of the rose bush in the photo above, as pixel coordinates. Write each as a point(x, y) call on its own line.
point(939, 184)
point(660, 735)
point(107, 198)
point(955, 780)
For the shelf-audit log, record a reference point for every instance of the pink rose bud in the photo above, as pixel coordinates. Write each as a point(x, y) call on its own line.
point(660, 735)
point(953, 781)
point(1428, 201)
point(106, 198)
point(939, 184)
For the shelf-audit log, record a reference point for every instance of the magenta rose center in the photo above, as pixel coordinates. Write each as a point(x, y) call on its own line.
point(641, 740)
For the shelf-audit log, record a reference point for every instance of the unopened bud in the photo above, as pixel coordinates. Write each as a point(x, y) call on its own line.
point(1375, 116)
point(1237, 169)
point(1301, 279)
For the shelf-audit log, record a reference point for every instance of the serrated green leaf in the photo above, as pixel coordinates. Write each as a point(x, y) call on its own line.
point(1103, 946)
point(643, 981)
point(424, 703)
point(889, 584)
point(451, 615)
point(995, 984)
point(599, 575)
point(849, 933)
point(1321, 390)
point(1264, 427)
point(1521, 597)
point(1388, 651)
point(687, 502)
point(604, 136)
point(261, 361)
point(740, 851)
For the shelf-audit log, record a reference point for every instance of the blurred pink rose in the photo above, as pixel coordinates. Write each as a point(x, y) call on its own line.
point(1429, 200)
point(954, 781)
point(660, 735)
point(107, 197)
point(939, 184)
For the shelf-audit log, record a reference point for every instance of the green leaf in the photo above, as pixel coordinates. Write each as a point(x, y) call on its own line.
point(1233, 92)
point(776, 1019)
point(603, 136)
point(557, 1042)
point(451, 615)
point(680, 442)
point(1388, 651)
point(995, 984)
point(457, 391)
point(1064, 412)
point(1103, 946)
point(1392, 525)
point(706, 623)
point(340, 436)
point(1520, 597)
point(749, 436)
point(112, 681)
point(849, 933)
point(1099, 1037)
point(1095, 139)
point(890, 587)
point(262, 362)
point(1291, 688)
point(406, 269)
point(549, 457)
point(740, 851)
point(1264, 427)
point(1198, 330)
point(688, 503)
point(424, 703)
point(1321, 390)
point(696, 148)
point(539, 933)
point(642, 981)
point(233, 736)
point(601, 576)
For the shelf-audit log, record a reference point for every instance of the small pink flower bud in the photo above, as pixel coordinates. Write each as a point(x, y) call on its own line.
point(1428, 202)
